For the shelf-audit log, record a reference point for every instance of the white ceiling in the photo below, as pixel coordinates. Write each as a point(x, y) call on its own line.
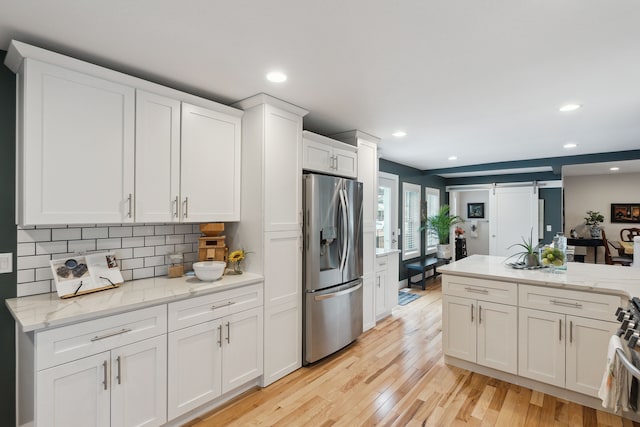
point(481, 80)
point(602, 168)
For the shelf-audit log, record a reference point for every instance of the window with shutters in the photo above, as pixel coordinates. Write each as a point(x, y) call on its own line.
point(431, 208)
point(411, 203)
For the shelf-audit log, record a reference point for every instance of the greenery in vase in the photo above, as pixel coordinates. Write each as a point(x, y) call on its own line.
point(236, 258)
point(593, 218)
point(528, 248)
point(440, 223)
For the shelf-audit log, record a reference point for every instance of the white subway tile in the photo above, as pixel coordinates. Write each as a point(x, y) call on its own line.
point(184, 228)
point(26, 227)
point(142, 273)
point(44, 274)
point(190, 257)
point(26, 275)
point(161, 270)
point(120, 231)
point(191, 238)
point(184, 248)
point(132, 242)
point(164, 229)
point(25, 249)
point(66, 234)
point(108, 244)
point(26, 236)
point(143, 252)
point(188, 266)
point(195, 228)
point(34, 288)
point(57, 247)
point(143, 230)
point(128, 264)
point(127, 275)
point(37, 261)
point(153, 261)
point(166, 249)
point(154, 240)
point(53, 226)
point(95, 233)
point(175, 239)
point(123, 253)
point(79, 246)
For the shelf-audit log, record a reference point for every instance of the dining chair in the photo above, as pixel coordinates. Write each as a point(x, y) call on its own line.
point(628, 234)
point(613, 260)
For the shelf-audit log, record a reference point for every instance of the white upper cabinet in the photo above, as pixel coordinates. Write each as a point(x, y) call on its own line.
point(210, 155)
point(157, 158)
point(326, 155)
point(76, 150)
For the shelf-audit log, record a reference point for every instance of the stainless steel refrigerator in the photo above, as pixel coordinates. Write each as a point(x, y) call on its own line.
point(332, 267)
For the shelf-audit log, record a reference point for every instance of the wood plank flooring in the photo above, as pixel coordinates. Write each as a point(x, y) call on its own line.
point(394, 375)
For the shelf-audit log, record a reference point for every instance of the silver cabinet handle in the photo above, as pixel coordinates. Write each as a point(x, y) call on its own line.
point(111, 334)
point(175, 202)
point(479, 314)
point(129, 201)
point(471, 313)
point(119, 371)
point(560, 329)
point(186, 207)
point(566, 304)
point(214, 307)
point(228, 332)
point(477, 291)
point(571, 331)
point(220, 335)
point(104, 378)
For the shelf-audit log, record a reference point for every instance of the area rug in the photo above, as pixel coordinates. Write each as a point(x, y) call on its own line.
point(405, 298)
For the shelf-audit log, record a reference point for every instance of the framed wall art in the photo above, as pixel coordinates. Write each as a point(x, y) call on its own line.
point(625, 212)
point(475, 210)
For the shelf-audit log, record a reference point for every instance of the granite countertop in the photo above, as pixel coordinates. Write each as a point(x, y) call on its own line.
point(48, 310)
point(600, 278)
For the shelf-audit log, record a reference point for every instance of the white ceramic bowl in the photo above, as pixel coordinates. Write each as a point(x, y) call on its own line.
point(208, 271)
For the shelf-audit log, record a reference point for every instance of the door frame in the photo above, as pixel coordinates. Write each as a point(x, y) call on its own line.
point(393, 220)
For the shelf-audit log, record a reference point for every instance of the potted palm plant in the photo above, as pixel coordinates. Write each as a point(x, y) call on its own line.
point(441, 225)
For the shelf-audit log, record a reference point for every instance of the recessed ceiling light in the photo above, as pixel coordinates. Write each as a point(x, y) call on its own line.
point(569, 145)
point(615, 168)
point(453, 157)
point(399, 134)
point(570, 107)
point(276, 77)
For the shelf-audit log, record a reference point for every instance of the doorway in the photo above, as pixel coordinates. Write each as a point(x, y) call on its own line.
point(387, 215)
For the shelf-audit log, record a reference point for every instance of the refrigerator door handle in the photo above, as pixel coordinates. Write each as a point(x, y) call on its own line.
point(337, 294)
point(345, 219)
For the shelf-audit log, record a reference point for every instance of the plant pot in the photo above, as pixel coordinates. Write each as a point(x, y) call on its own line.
point(595, 232)
point(531, 260)
point(444, 251)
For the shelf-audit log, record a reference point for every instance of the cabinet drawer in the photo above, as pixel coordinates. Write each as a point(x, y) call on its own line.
point(578, 303)
point(67, 343)
point(381, 263)
point(213, 306)
point(480, 289)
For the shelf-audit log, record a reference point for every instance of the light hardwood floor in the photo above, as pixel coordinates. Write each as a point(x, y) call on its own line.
point(394, 375)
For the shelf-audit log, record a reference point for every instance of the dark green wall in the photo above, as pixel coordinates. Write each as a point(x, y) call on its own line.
point(7, 240)
point(552, 212)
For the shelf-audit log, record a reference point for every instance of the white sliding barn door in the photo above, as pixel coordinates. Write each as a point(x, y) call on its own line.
point(513, 214)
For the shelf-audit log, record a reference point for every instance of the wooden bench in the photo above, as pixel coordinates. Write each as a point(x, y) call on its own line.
point(422, 266)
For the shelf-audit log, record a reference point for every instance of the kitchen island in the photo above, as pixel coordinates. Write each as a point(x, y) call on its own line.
point(545, 330)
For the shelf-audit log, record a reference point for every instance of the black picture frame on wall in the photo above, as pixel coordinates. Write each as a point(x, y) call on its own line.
point(475, 210)
point(625, 213)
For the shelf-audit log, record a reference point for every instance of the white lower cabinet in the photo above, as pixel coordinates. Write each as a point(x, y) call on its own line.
point(381, 291)
point(122, 387)
point(481, 332)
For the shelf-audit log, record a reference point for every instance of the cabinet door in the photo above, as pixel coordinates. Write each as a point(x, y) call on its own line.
point(157, 158)
point(210, 165)
point(139, 383)
point(367, 169)
point(317, 156)
point(368, 301)
point(283, 304)
point(498, 336)
point(282, 172)
point(587, 344)
point(542, 346)
point(77, 152)
point(60, 390)
point(459, 327)
point(345, 162)
point(381, 293)
point(195, 367)
point(241, 348)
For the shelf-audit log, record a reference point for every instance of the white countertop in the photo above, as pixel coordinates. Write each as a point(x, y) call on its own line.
point(601, 278)
point(48, 310)
point(385, 252)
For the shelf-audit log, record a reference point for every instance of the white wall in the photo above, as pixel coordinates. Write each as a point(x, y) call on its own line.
point(475, 245)
point(596, 193)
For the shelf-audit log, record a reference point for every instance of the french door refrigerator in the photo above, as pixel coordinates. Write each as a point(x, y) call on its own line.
point(332, 267)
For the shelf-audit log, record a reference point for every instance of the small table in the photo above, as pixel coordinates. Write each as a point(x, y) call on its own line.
point(589, 243)
point(423, 266)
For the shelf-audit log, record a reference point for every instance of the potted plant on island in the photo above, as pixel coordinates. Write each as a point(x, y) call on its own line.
point(441, 225)
point(593, 220)
point(529, 254)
